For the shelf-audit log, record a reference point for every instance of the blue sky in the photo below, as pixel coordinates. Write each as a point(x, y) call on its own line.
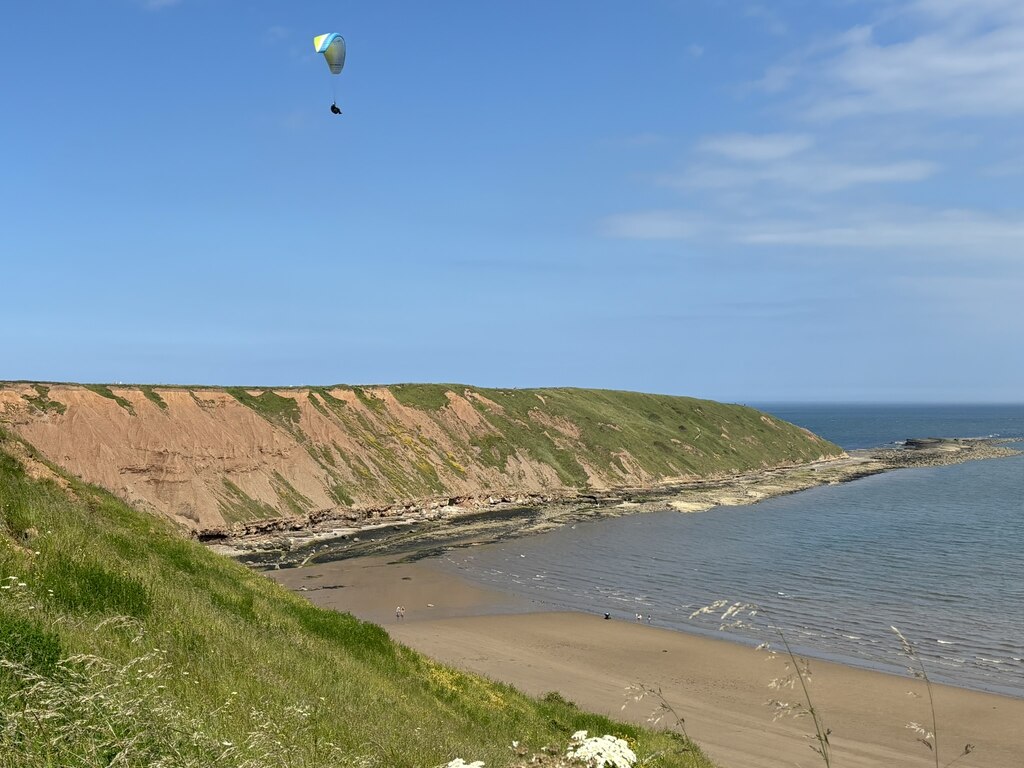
point(750, 202)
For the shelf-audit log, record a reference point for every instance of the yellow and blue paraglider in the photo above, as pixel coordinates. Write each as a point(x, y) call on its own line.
point(332, 46)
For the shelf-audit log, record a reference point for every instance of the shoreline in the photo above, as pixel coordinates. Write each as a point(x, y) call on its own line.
point(417, 530)
point(718, 685)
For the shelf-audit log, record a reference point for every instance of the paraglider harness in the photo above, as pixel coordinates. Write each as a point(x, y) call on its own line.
point(334, 109)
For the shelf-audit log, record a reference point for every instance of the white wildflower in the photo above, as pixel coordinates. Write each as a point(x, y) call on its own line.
point(458, 762)
point(601, 751)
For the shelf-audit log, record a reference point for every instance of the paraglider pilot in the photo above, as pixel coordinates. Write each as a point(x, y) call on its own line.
point(332, 46)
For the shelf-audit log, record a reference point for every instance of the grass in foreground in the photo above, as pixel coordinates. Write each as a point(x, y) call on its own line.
point(123, 644)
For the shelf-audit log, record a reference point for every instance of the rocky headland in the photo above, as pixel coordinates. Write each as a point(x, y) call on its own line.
point(421, 531)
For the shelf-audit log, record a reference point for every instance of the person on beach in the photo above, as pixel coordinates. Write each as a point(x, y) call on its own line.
point(607, 615)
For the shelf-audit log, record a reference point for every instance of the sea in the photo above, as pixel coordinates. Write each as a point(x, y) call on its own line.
point(936, 552)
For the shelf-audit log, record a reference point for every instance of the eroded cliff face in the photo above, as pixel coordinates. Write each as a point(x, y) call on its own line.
point(216, 458)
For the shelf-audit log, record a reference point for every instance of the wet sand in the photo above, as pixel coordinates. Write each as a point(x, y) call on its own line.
point(718, 686)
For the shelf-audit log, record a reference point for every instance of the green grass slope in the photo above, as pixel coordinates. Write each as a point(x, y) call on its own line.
point(621, 437)
point(617, 432)
point(123, 644)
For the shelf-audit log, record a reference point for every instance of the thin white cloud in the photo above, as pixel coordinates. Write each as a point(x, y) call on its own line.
point(970, 11)
point(756, 147)
point(1000, 238)
point(965, 59)
point(739, 160)
point(651, 225)
point(969, 236)
point(827, 176)
point(807, 177)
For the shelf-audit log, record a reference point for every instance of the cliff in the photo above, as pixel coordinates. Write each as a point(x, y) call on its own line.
point(217, 458)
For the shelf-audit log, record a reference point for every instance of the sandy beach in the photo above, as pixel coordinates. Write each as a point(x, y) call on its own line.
point(719, 687)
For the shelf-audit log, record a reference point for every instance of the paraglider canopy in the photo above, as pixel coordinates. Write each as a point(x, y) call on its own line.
point(332, 46)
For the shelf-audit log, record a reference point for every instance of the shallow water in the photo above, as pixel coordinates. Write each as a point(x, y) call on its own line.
point(936, 552)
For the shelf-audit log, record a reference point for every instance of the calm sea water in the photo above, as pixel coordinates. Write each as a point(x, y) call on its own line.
point(937, 552)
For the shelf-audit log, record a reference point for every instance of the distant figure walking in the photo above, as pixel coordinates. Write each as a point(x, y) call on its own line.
point(639, 617)
point(607, 615)
point(400, 612)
